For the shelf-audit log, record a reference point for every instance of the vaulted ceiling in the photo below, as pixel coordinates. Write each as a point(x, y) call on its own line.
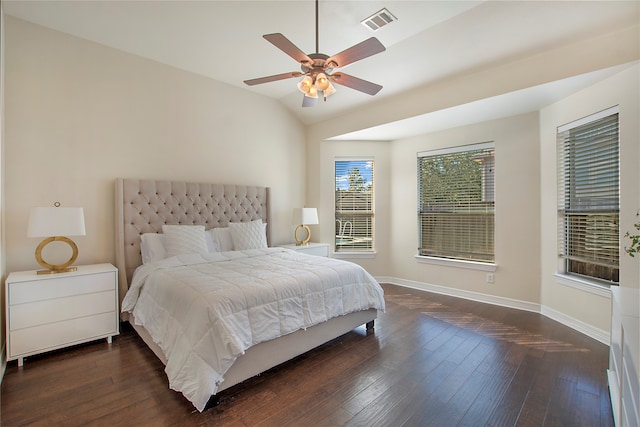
point(429, 41)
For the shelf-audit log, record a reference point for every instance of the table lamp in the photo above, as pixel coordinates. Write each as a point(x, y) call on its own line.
point(304, 217)
point(55, 223)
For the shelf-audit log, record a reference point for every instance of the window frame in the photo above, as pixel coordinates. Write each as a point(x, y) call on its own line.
point(351, 252)
point(569, 186)
point(483, 265)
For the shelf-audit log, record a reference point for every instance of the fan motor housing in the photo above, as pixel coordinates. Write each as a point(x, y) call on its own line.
point(319, 63)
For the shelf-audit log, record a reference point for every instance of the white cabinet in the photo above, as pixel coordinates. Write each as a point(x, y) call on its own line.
point(52, 311)
point(319, 249)
point(624, 375)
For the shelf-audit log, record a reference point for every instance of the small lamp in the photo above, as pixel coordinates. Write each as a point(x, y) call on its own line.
point(330, 90)
point(310, 85)
point(304, 217)
point(55, 223)
point(322, 82)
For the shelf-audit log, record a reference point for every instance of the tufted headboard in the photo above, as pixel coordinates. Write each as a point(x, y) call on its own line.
point(144, 206)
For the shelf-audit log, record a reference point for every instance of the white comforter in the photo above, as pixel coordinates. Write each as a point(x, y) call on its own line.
point(204, 311)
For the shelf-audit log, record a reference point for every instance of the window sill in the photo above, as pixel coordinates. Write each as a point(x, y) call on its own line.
point(354, 255)
point(583, 285)
point(471, 265)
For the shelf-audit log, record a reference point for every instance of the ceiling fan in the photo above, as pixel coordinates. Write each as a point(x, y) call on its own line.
point(317, 68)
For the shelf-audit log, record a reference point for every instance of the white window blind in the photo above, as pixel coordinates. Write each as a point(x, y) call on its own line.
point(354, 205)
point(589, 196)
point(456, 202)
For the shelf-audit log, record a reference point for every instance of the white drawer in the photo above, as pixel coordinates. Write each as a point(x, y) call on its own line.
point(59, 309)
point(313, 248)
point(61, 334)
point(58, 287)
point(320, 250)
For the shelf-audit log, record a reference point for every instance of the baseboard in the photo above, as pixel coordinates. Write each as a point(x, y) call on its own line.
point(591, 331)
point(473, 296)
point(588, 330)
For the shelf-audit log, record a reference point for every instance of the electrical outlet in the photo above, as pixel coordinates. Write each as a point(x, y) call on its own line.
point(489, 277)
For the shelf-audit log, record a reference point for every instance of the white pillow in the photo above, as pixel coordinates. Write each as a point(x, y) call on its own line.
point(185, 239)
point(152, 247)
point(211, 245)
point(248, 235)
point(221, 237)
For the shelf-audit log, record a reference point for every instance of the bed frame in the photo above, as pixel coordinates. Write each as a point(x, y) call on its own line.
point(144, 206)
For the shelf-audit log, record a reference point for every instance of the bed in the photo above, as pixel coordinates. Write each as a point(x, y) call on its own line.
point(351, 299)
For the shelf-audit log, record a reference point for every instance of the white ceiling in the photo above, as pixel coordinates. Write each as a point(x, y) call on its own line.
point(429, 41)
point(496, 107)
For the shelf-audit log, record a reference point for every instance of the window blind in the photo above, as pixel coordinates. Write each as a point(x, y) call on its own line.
point(589, 197)
point(354, 206)
point(457, 203)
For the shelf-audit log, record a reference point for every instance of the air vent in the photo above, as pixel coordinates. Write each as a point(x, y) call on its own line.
point(379, 20)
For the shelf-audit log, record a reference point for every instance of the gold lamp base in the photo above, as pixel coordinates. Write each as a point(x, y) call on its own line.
point(56, 268)
point(305, 241)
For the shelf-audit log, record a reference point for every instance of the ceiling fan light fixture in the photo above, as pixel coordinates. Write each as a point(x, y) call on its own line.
point(305, 84)
point(322, 81)
point(330, 90)
point(318, 68)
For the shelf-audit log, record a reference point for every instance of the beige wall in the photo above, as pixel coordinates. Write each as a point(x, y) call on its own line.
point(517, 275)
point(2, 240)
point(621, 89)
point(517, 278)
point(79, 114)
point(327, 153)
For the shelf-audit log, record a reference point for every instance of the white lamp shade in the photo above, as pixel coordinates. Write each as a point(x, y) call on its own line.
point(56, 221)
point(313, 92)
point(306, 216)
point(330, 90)
point(305, 84)
point(322, 82)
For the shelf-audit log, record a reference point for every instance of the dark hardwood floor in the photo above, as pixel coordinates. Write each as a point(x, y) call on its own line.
point(432, 361)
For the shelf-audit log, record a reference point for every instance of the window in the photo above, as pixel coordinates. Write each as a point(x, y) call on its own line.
point(589, 196)
point(456, 202)
point(354, 206)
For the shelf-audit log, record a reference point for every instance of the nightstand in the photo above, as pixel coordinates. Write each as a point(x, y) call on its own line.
point(319, 249)
point(51, 311)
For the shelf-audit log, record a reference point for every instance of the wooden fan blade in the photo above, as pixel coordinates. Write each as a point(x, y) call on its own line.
point(357, 52)
point(274, 78)
point(355, 83)
point(309, 102)
point(285, 45)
